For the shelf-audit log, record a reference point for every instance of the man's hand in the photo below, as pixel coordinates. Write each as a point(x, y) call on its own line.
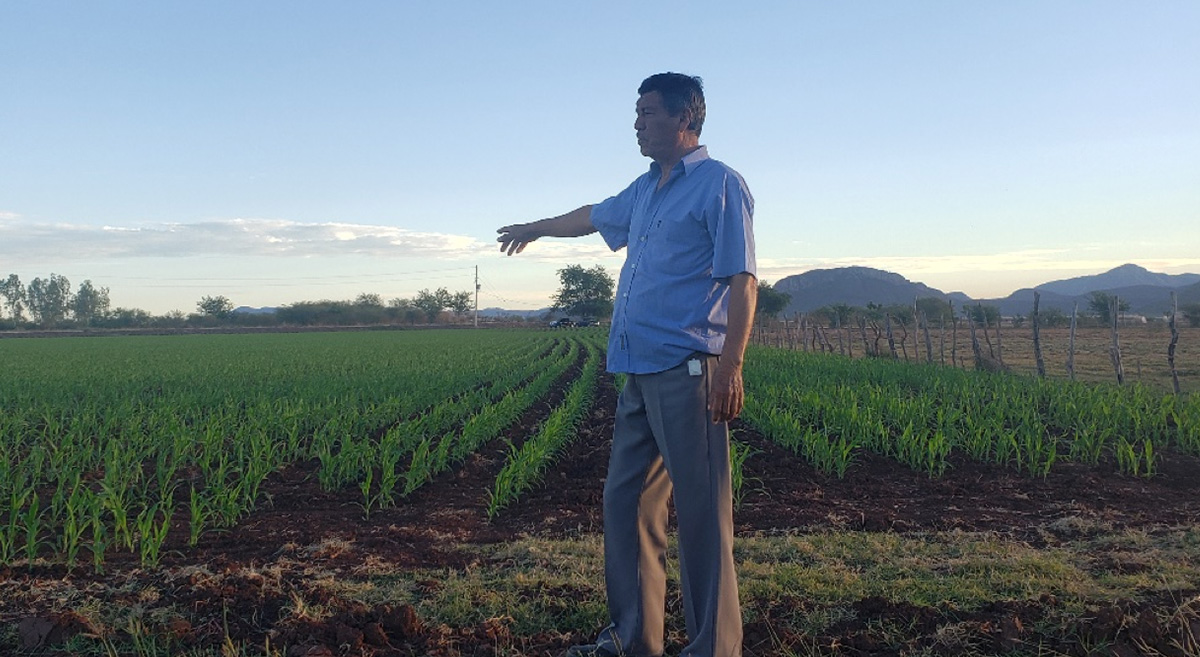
point(514, 238)
point(576, 223)
point(727, 396)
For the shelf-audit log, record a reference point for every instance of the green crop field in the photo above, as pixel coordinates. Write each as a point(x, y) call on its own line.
point(146, 461)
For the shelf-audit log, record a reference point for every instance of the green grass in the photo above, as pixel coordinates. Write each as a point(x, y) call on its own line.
point(796, 585)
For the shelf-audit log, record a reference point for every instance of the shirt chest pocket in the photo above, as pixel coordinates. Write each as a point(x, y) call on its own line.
point(683, 245)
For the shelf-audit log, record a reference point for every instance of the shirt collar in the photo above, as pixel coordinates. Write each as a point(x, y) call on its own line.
point(694, 158)
point(689, 161)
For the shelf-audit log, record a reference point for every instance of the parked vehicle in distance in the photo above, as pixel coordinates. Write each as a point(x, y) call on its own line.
point(567, 322)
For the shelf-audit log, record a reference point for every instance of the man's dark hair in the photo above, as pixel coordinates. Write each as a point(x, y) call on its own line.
point(681, 93)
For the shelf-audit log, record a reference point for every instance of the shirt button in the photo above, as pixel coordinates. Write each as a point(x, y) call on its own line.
point(642, 238)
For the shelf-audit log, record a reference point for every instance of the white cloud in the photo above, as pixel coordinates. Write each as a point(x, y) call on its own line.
point(235, 237)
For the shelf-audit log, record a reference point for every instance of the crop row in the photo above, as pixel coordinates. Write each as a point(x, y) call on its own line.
point(828, 408)
point(107, 444)
point(527, 463)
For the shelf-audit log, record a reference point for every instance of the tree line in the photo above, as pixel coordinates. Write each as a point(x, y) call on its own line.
point(52, 303)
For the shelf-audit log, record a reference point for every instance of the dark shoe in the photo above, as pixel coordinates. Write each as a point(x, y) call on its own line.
point(589, 650)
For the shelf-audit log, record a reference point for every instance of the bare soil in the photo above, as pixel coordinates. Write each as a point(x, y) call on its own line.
point(231, 596)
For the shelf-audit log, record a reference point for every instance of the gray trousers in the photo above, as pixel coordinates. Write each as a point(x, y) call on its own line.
point(665, 438)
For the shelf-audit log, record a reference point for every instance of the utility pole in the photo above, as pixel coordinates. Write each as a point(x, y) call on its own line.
point(476, 296)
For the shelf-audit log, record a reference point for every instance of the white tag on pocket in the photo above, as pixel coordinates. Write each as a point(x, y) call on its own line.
point(694, 367)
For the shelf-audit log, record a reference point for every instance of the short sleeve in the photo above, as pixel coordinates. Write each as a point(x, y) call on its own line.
point(731, 224)
point(612, 217)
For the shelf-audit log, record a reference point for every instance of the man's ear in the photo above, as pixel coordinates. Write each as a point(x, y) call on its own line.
point(685, 121)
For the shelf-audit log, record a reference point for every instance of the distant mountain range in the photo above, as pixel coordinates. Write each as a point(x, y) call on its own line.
point(1147, 292)
point(501, 312)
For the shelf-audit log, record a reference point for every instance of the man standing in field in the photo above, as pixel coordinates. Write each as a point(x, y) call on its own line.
point(682, 318)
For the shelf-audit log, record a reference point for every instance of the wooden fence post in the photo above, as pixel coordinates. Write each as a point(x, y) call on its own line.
point(1174, 341)
point(887, 325)
point(1037, 338)
point(928, 342)
point(953, 338)
point(975, 344)
point(942, 339)
point(1115, 350)
point(1071, 342)
point(999, 339)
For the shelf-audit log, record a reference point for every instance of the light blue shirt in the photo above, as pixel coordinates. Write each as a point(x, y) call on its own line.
point(684, 242)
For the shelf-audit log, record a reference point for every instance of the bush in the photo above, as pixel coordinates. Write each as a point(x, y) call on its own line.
point(1192, 312)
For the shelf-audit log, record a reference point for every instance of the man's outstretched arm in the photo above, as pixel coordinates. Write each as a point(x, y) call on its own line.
point(576, 223)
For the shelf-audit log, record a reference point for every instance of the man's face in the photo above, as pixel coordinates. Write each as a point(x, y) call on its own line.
point(658, 133)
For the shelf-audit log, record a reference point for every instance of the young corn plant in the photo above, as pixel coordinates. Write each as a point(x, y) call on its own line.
point(198, 516)
point(1134, 460)
point(34, 525)
point(738, 453)
point(80, 507)
point(153, 523)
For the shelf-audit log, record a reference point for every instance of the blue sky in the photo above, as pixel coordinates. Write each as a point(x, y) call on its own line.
point(275, 152)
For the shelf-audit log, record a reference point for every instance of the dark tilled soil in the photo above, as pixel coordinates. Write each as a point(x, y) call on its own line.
point(301, 524)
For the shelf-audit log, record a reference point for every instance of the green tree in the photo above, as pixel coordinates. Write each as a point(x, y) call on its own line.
point(369, 299)
point(14, 296)
point(432, 303)
point(771, 302)
point(585, 292)
point(90, 303)
point(839, 314)
point(404, 309)
point(1100, 303)
point(172, 319)
point(127, 318)
point(935, 309)
point(1192, 312)
point(462, 302)
point(901, 312)
point(319, 313)
point(981, 314)
point(1052, 318)
point(49, 299)
point(218, 306)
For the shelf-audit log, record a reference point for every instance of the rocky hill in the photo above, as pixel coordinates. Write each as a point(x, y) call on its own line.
point(1148, 293)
